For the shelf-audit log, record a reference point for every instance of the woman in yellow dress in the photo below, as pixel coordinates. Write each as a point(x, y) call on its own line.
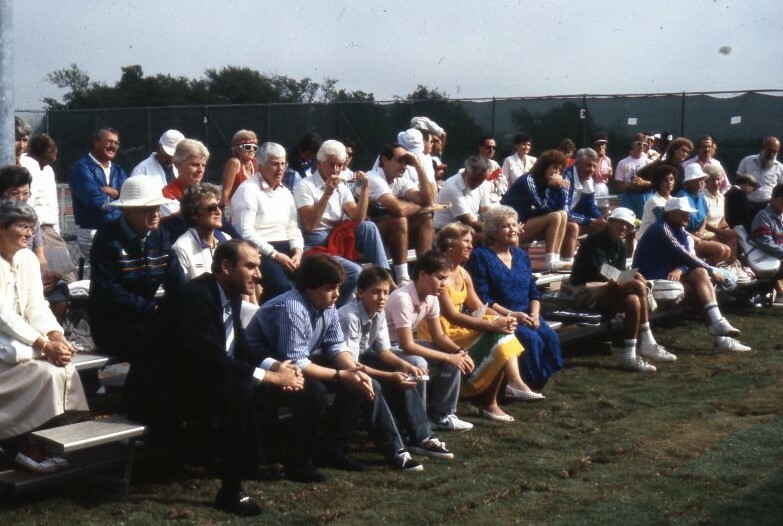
point(488, 337)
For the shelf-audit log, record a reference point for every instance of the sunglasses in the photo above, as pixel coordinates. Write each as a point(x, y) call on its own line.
point(249, 147)
point(211, 209)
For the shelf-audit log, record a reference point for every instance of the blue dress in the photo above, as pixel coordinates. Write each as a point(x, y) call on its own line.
point(514, 288)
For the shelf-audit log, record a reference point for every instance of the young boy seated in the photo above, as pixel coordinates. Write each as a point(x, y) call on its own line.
point(446, 361)
point(367, 336)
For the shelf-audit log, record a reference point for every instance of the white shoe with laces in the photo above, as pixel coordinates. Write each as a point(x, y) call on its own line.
point(637, 364)
point(656, 352)
point(451, 423)
point(724, 343)
point(722, 327)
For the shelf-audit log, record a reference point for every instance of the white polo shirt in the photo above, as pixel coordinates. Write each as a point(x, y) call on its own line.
point(463, 200)
point(379, 186)
point(310, 190)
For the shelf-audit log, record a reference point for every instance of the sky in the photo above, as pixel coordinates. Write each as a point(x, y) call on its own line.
point(467, 49)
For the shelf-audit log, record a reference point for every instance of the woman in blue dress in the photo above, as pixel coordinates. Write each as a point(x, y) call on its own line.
point(503, 279)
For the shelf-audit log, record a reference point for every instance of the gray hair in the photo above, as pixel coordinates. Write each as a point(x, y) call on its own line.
point(492, 220)
point(332, 148)
point(188, 149)
point(584, 154)
point(267, 150)
point(12, 211)
point(476, 162)
point(713, 170)
point(21, 128)
point(192, 197)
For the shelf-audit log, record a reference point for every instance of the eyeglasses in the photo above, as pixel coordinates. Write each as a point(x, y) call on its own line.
point(211, 209)
point(639, 143)
point(24, 229)
point(249, 147)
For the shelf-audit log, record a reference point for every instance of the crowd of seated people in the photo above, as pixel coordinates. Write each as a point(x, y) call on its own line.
point(306, 240)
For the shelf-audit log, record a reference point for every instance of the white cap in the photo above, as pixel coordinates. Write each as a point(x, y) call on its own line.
point(624, 214)
point(140, 191)
point(411, 140)
point(427, 124)
point(169, 141)
point(678, 203)
point(693, 172)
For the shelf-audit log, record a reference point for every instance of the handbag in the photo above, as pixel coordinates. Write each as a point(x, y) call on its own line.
point(666, 292)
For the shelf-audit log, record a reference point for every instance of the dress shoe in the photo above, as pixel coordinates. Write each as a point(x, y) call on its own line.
point(44, 466)
point(483, 413)
point(238, 503)
point(525, 396)
point(338, 459)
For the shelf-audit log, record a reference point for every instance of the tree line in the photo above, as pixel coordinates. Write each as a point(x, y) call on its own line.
point(227, 85)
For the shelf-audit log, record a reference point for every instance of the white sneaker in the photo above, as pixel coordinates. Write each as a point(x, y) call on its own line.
point(560, 266)
point(656, 352)
point(724, 343)
point(637, 364)
point(722, 327)
point(451, 423)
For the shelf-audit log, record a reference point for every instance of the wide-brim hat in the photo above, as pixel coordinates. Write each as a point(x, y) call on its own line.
point(139, 191)
point(412, 140)
point(678, 203)
point(693, 172)
point(624, 214)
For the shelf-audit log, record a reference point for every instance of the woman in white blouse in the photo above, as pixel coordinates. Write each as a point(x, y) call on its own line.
point(201, 210)
point(263, 211)
point(517, 165)
point(37, 380)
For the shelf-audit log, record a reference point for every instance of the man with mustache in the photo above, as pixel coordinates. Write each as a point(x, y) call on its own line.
point(767, 170)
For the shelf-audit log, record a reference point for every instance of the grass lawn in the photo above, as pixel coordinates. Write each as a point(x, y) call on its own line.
point(699, 442)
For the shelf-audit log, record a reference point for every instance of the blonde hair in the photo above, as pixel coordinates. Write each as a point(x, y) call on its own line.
point(243, 136)
point(450, 233)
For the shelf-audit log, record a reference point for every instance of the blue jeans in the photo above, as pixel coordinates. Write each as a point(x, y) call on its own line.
point(368, 242)
point(274, 277)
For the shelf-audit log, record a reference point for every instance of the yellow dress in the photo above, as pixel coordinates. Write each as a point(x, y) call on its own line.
point(489, 350)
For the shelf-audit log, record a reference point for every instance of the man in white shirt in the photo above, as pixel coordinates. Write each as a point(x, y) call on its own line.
point(323, 200)
point(264, 212)
point(468, 193)
point(767, 170)
point(401, 205)
point(487, 146)
point(159, 164)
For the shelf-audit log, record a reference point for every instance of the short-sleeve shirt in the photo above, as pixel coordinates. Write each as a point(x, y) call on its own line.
point(405, 309)
point(379, 186)
point(463, 200)
point(627, 168)
point(363, 333)
point(309, 191)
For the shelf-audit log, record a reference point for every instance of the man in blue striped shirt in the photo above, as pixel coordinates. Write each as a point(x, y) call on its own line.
point(302, 325)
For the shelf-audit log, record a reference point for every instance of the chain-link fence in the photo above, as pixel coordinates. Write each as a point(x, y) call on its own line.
point(738, 122)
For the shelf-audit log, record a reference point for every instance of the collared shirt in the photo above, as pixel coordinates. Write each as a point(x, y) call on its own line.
point(363, 333)
point(766, 177)
point(194, 254)
point(514, 167)
point(716, 206)
point(289, 327)
point(106, 169)
point(150, 167)
point(264, 214)
point(405, 309)
point(724, 185)
point(463, 200)
point(379, 186)
point(131, 235)
point(310, 190)
point(259, 373)
point(43, 192)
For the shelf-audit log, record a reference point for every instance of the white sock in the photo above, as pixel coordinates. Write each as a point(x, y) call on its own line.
point(713, 312)
point(646, 335)
point(550, 259)
point(401, 271)
point(629, 351)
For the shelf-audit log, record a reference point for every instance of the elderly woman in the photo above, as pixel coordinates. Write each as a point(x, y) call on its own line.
point(705, 246)
point(540, 199)
point(662, 184)
point(264, 212)
point(190, 158)
point(37, 381)
point(488, 337)
point(201, 210)
point(503, 280)
point(240, 166)
point(716, 211)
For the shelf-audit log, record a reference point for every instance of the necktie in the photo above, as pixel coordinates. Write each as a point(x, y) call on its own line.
point(169, 171)
point(228, 323)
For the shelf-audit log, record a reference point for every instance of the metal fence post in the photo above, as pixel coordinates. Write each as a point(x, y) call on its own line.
point(7, 127)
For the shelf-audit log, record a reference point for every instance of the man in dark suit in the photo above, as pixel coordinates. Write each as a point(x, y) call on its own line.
point(220, 375)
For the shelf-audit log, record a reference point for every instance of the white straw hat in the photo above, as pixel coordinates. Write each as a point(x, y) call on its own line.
point(140, 191)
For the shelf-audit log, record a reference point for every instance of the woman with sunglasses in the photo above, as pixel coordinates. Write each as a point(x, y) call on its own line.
point(240, 166)
point(202, 212)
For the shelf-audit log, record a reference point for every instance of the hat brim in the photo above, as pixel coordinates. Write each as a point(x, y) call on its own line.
point(140, 202)
point(168, 149)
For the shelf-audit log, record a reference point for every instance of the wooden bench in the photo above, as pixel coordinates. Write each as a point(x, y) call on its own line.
point(92, 447)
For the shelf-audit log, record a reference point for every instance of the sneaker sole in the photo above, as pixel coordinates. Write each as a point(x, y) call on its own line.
point(438, 427)
point(432, 454)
